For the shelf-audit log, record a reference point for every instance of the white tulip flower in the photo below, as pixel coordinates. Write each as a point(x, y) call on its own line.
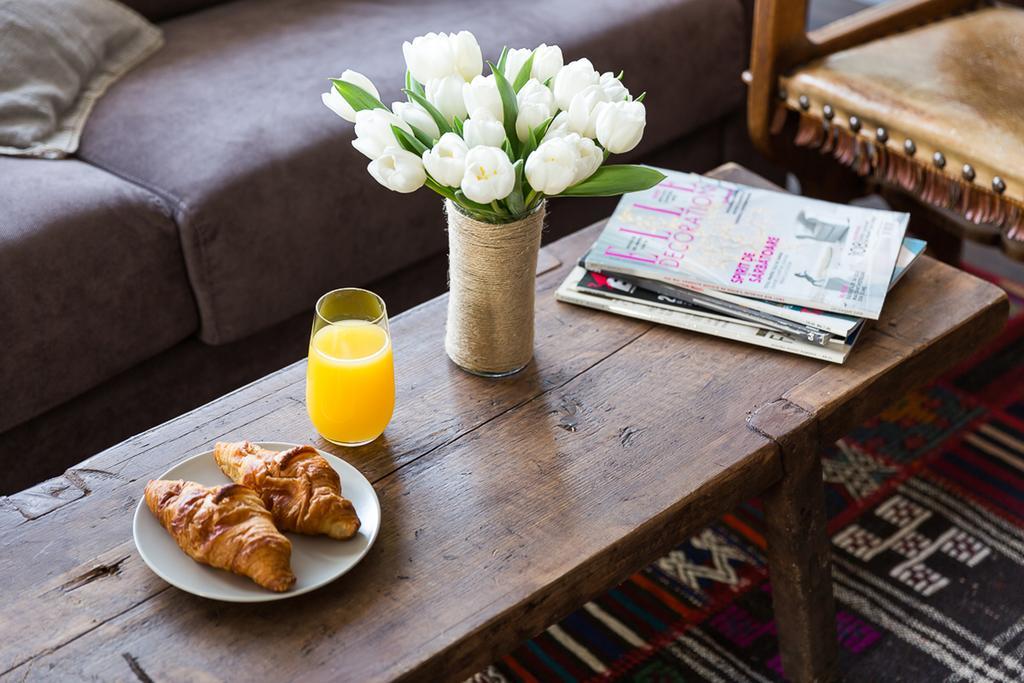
point(514, 61)
point(482, 93)
point(589, 157)
point(614, 90)
point(446, 94)
point(559, 127)
point(466, 52)
point(488, 175)
point(429, 57)
point(338, 104)
point(582, 110)
point(530, 116)
point(536, 104)
point(535, 92)
point(417, 117)
point(446, 162)
point(620, 125)
point(482, 129)
point(398, 170)
point(547, 60)
point(571, 79)
point(373, 131)
point(552, 167)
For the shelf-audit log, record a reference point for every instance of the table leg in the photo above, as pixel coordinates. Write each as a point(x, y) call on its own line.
point(800, 570)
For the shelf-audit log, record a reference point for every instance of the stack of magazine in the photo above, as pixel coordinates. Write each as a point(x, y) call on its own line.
point(767, 268)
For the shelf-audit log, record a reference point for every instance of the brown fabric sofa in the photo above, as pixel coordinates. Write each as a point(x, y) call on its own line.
point(214, 197)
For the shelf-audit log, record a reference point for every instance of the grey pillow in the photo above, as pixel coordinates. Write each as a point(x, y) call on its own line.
point(58, 57)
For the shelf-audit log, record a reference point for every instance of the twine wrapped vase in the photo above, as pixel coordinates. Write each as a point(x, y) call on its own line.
point(492, 279)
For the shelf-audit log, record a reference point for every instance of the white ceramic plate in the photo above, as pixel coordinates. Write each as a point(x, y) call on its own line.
point(316, 560)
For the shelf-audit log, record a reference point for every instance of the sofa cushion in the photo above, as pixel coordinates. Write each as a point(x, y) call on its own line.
point(93, 282)
point(275, 206)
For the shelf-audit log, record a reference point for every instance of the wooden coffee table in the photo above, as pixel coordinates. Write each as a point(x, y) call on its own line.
point(506, 503)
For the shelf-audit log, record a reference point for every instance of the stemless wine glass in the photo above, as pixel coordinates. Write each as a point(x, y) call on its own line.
point(350, 376)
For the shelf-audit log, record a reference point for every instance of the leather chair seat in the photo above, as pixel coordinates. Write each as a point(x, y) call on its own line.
point(948, 96)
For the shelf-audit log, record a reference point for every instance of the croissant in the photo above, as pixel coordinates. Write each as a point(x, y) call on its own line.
point(225, 527)
point(298, 486)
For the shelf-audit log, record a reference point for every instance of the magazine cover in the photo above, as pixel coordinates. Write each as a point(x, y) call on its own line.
point(708, 234)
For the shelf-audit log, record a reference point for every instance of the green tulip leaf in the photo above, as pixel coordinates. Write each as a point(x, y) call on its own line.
point(540, 131)
point(532, 142)
point(616, 179)
point(422, 136)
point(443, 190)
point(356, 97)
point(534, 138)
point(529, 145)
point(457, 125)
point(408, 142)
point(515, 200)
point(641, 97)
point(442, 124)
point(502, 59)
point(509, 108)
point(481, 210)
point(412, 84)
point(524, 73)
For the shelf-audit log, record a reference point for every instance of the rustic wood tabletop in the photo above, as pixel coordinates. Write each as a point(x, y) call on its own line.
point(506, 503)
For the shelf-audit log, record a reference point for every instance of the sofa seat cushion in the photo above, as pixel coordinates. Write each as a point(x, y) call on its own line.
point(275, 206)
point(93, 282)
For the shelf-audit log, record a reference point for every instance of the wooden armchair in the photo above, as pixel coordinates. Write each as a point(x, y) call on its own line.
point(922, 99)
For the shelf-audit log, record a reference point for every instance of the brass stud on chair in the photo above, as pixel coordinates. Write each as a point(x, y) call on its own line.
point(909, 147)
point(854, 124)
point(882, 135)
point(828, 112)
point(939, 159)
point(999, 185)
point(968, 172)
point(805, 102)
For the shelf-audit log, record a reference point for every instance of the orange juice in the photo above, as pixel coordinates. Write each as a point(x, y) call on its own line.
point(350, 381)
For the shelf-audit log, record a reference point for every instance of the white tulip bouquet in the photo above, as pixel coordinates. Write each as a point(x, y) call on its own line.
point(496, 145)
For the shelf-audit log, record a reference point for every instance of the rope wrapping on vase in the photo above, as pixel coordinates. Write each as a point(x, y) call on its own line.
point(491, 282)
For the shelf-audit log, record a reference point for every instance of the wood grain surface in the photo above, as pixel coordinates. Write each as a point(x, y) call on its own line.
point(506, 504)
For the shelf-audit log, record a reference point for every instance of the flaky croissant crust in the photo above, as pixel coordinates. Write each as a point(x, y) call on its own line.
point(298, 486)
point(225, 527)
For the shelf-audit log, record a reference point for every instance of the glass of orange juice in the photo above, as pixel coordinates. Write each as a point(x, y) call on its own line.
point(350, 376)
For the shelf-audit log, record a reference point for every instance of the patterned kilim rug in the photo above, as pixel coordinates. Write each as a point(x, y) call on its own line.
point(926, 504)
